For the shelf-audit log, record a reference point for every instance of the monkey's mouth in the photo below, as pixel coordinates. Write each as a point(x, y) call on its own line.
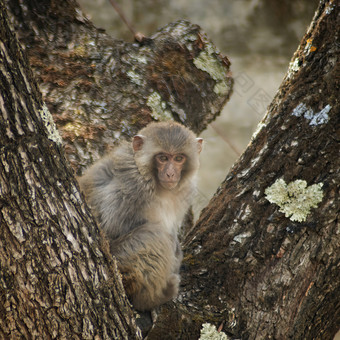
point(168, 185)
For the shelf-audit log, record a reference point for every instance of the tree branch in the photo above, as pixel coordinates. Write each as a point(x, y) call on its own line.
point(101, 89)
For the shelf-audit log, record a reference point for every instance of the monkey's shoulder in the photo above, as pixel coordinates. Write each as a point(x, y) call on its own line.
point(116, 163)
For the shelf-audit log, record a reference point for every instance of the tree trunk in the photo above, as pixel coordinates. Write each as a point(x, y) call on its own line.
point(254, 270)
point(55, 282)
point(101, 89)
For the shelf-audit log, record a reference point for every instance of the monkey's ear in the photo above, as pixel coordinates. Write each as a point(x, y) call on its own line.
point(199, 144)
point(137, 142)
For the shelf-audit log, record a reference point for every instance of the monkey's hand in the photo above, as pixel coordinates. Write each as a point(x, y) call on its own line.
point(171, 289)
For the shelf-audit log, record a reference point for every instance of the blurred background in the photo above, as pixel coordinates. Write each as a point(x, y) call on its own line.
point(258, 36)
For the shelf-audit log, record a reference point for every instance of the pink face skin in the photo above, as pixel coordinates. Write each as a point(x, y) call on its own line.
point(169, 168)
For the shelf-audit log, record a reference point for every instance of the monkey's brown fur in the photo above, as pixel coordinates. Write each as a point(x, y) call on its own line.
point(140, 217)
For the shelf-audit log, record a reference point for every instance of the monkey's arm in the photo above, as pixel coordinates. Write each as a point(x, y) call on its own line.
point(149, 261)
point(97, 176)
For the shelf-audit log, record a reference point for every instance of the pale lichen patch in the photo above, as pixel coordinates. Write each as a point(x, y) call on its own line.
point(135, 78)
point(79, 51)
point(321, 117)
point(240, 237)
point(209, 332)
point(300, 110)
point(318, 118)
point(52, 131)
point(207, 61)
point(293, 67)
point(295, 199)
point(330, 8)
point(158, 107)
point(142, 56)
point(75, 127)
point(259, 127)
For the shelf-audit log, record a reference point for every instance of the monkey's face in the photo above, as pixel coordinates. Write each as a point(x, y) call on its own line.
point(169, 169)
point(167, 152)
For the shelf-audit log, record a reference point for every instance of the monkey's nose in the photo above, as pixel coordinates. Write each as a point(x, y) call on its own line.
point(170, 175)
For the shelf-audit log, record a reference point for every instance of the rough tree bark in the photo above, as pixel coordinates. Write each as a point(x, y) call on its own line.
point(101, 89)
point(248, 268)
point(251, 269)
point(55, 282)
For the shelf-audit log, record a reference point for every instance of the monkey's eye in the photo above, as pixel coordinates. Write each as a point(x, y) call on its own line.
point(162, 158)
point(179, 158)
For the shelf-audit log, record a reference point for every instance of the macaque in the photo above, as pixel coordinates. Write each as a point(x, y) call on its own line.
point(140, 193)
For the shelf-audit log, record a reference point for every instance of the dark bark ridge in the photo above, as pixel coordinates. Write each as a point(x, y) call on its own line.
point(101, 89)
point(249, 268)
point(54, 282)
